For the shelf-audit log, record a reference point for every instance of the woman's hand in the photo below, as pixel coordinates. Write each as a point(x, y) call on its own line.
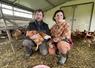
point(50, 45)
point(56, 39)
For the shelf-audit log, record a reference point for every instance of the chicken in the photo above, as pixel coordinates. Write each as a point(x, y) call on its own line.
point(17, 34)
point(37, 37)
point(90, 38)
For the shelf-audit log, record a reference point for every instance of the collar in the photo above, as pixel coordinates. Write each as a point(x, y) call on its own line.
point(41, 22)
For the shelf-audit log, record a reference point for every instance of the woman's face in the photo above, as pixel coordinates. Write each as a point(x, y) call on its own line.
point(59, 17)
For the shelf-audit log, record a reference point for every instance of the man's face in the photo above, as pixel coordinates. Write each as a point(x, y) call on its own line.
point(38, 16)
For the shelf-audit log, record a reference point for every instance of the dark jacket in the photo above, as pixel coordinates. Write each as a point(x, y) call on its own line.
point(39, 26)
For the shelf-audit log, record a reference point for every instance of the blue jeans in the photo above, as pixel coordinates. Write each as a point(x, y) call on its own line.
point(29, 44)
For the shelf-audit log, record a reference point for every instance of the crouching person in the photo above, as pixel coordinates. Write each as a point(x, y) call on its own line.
point(35, 34)
point(60, 42)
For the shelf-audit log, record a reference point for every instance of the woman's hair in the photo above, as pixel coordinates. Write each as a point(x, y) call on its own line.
point(57, 12)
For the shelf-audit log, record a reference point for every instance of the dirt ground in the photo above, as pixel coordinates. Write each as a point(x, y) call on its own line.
point(80, 56)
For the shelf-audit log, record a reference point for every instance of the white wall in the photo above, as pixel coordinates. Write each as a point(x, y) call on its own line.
point(49, 14)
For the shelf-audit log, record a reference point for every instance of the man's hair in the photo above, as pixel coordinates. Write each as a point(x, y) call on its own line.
point(39, 10)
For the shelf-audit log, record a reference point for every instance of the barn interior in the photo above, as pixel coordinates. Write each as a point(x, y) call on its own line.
point(15, 16)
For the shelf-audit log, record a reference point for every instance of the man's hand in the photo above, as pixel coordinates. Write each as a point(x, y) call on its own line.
point(34, 36)
point(47, 37)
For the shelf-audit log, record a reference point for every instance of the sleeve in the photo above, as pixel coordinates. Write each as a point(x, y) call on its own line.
point(29, 27)
point(47, 30)
point(52, 30)
point(67, 31)
point(67, 34)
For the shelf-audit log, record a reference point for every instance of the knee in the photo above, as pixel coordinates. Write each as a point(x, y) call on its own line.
point(43, 48)
point(52, 51)
point(25, 42)
point(44, 52)
point(63, 47)
point(64, 51)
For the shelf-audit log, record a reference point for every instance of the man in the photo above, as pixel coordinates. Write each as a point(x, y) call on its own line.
point(39, 26)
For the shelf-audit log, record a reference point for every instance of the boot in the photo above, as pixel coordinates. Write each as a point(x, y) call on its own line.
point(62, 58)
point(28, 52)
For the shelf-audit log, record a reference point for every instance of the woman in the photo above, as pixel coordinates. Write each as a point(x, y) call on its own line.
point(61, 36)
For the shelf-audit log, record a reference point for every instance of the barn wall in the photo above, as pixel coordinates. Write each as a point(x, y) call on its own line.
point(50, 13)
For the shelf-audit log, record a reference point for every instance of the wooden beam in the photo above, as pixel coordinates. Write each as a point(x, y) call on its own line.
point(16, 5)
point(50, 3)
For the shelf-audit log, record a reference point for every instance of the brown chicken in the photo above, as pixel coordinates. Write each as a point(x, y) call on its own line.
point(17, 34)
point(89, 38)
point(38, 38)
